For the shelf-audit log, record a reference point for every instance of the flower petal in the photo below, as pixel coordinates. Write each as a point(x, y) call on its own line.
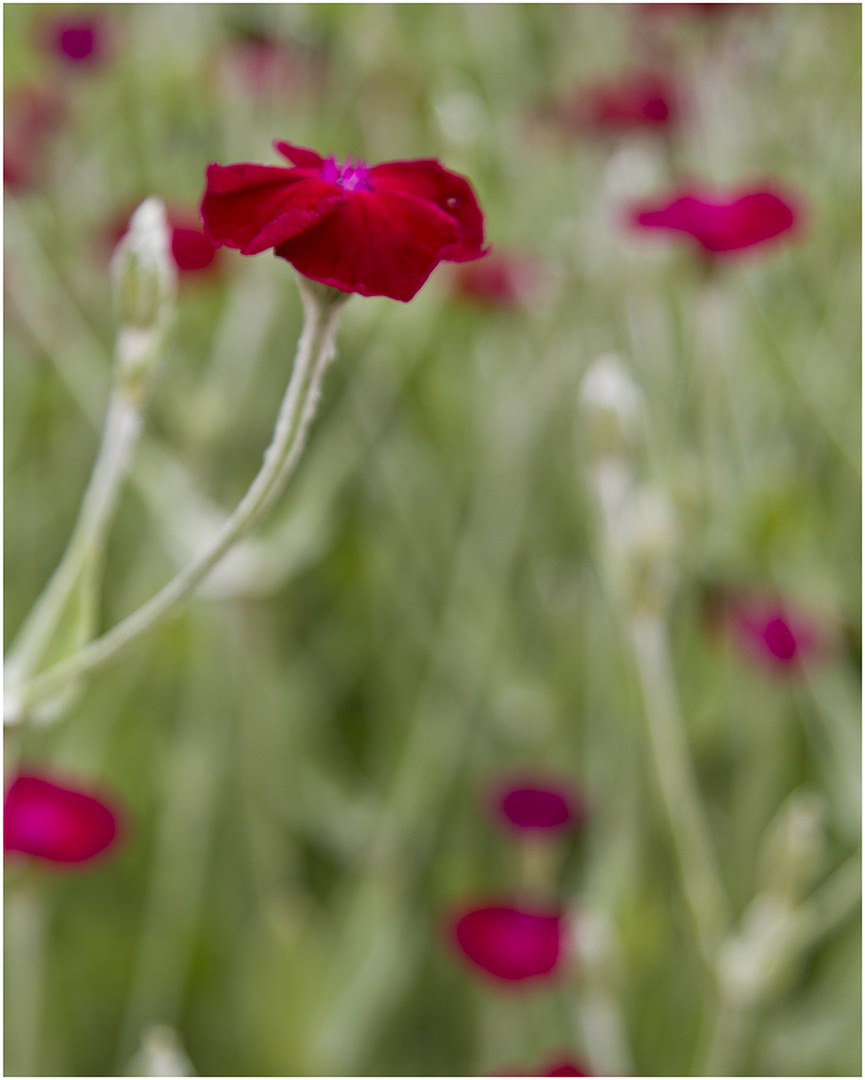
point(54, 822)
point(720, 225)
point(427, 179)
point(298, 155)
point(375, 244)
point(510, 943)
point(253, 207)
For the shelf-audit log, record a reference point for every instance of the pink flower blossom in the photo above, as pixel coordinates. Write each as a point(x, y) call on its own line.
point(61, 824)
point(537, 804)
point(375, 230)
point(634, 101)
point(720, 222)
point(509, 943)
point(502, 280)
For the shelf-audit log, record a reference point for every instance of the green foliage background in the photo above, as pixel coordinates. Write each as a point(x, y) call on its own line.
point(302, 762)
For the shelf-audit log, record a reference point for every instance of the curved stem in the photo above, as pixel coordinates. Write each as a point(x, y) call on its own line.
point(120, 434)
point(314, 351)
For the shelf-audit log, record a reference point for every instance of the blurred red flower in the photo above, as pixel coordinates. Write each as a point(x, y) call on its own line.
point(565, 1067)
point(260, 68)
point(192, 251)
point(31, 114)
point(502, 280)
point(768, 629)
point(559, 1066)
point(509, 943)
point(537, 804)
point(78, 40)
point(634, 101)
point(720, 223)
point(375, 230)
point(58, 823)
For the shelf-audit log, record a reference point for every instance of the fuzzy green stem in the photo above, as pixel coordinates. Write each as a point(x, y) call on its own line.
point(702, 885)
point(120, 434)
point(314, 352)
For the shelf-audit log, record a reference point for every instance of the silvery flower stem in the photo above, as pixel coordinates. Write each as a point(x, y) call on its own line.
point(702, 885)
point(314, 352)
point(119, 436)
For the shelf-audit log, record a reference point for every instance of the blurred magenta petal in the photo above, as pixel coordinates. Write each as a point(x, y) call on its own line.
point(510, 943)
point(635, 101)
point(191, 249)
point(77, 39)
point(720, 223)
point(769, 630)
point(31, 115)
point(537, 803)
point(565, 1066)
point(259, 67)
point(501, 280)
point(772, 633)
point(58, 823)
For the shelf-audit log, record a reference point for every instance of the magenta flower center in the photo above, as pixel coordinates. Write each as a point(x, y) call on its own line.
point(351, 175)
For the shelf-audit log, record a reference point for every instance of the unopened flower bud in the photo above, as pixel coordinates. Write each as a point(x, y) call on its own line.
point(612, 405)
point(142, 269)
point(144, 280)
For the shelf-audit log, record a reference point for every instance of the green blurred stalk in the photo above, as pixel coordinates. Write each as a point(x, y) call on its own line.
point(315, 350)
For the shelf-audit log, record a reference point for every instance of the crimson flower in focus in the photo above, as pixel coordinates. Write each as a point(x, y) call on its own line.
point(57, 823)
point(77, 41)
point(537, 804)
point(375, 230)
point(635, 101)
point(720, 223)
point(500, 281)
point(509, 943)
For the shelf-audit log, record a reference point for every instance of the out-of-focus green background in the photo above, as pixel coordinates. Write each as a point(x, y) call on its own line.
point(301, 750)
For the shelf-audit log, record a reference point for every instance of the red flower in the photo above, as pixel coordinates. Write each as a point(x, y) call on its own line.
point(60, 824)
point(79, 41)
point(537, 804)
point(636, 101)
point(719, 223)
point(500, 281)
point(511, 943)
point(377, 231)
